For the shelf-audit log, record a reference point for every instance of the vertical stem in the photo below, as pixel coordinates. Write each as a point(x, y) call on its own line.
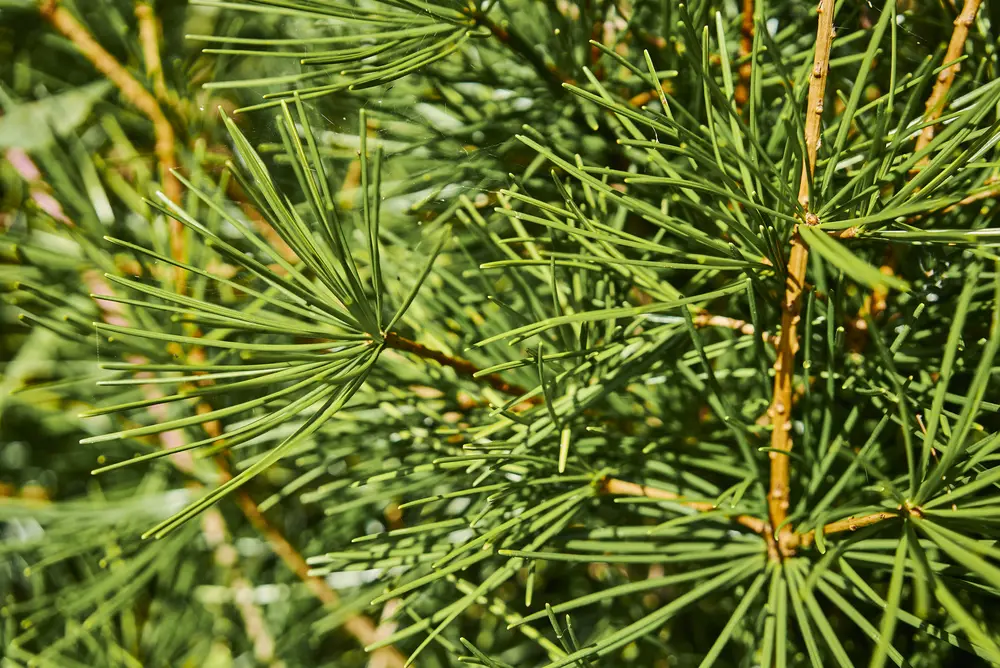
point(784, 366)
point(149, 39)
point(742, 92)
point(935, 103)
point(817, 93)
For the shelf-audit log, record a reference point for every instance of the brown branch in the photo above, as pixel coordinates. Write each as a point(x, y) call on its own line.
point(625, 488)
point(794, 540)
point(465, 368)
point(741, 326)
point(988, 193)
point(973, 198)
point(461, 366)
point(132, 91)
point(742, 92)
point(788, 541)
point(817, 94)
point(784, 366)
point(149, 39)
point(935, 103)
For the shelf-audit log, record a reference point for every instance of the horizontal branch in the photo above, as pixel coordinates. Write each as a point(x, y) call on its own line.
point(741, 326)
point(625, 488)
point(988, 193)
point(789, 541)
point(840, 526)
point(461, 366)
point(465, 368)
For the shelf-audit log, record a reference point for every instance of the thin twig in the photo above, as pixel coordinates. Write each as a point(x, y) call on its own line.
point(742, 92)
point(465, 368)
point(789, 540)
point(784, 366)
point(987, 193)
point(935, 103)
point(794, 540)
point(625, 488)
point(149, 39)
point(741, 326)
point(461, 366)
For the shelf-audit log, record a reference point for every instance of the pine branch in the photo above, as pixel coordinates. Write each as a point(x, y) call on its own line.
point(791, 541)
point(735, 324)
point(496, 381)
point(784, 366)
point(357, 625)
point(149, 31)
point(987, 192)
point(461, 366)
point(936, 101)
point(589, 267)
point(618, 487)
point(742, 92)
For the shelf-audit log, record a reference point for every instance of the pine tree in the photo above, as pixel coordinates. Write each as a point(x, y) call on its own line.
point(512, 333)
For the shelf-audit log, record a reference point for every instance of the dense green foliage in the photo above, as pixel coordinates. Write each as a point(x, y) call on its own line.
point(477, 308)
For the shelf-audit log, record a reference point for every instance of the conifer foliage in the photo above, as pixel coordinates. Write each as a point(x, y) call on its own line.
point(510, 333)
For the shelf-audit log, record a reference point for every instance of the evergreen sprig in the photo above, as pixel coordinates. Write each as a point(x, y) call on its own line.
point(555, 334)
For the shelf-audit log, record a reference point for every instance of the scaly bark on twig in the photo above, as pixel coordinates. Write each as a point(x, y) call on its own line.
point(149, 39)
point(935, 103)
point(625, 488)
point(784, 366)
point(742, 92)
point(794, 540)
